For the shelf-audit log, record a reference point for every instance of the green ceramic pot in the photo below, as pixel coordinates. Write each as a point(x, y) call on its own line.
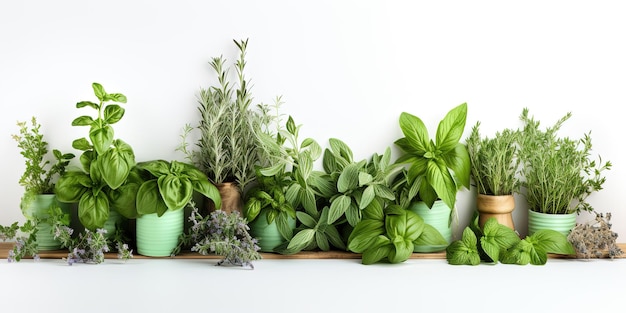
point(439, 217)
point(38, 208)
point(562, 223)
point(267, 234)
point(158, 236)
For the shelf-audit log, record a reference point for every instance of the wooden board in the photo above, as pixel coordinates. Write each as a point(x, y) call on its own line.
point(59, 254)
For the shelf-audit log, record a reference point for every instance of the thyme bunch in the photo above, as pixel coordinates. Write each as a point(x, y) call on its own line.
point(559, 172)
point(494, 161)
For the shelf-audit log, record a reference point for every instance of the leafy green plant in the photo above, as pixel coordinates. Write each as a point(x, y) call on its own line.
point(170, 186)
point(25, 240)
point(268, 197)
point(313, 233)
point(498, 243)
point(441, 167)
point(223, 234)
point(288, 154)
point(389, 232)
point(289, 185)
point(559, 173)
point(40, 174)
point(357, 183)
point(106, 164)
point(228, 149)
point(494, 162)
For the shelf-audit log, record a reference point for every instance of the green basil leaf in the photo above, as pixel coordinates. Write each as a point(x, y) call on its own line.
point(175, 191)
point(93, 210)
point(113, 113)
point(101, 137)
point(98, 90)
point(83, 121)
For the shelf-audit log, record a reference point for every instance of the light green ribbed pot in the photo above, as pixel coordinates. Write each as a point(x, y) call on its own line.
point(562, 223)
point(439, 217)
point(267, 234)
point(38, 208)
point(158, 236)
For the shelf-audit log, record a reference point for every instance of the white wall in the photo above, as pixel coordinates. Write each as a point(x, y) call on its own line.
point(346, 69)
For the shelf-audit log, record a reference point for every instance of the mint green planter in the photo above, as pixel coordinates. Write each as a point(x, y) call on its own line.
point(267, 234)
point(38, 208)
point(158, 236)
point(439, 217)
point(562, 223)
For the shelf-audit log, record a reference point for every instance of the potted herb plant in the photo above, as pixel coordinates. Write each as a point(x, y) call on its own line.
point(39, 179)
point(227, 150)
point(165, 188)
point(495, 167)
point(359, 183)
point(436, 169)
point(389, 233)
point(288, 188)
point(106, 162)
point(559, 173)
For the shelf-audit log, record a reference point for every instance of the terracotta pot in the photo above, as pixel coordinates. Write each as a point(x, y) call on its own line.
point(500, 207)
point(231, 198)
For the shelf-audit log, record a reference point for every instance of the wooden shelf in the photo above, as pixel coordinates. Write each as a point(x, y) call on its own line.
point(59, 254)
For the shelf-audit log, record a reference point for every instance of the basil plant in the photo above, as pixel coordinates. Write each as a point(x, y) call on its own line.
point(163, 185)
point(440, 167)
point(390, 233)
point(106, 163)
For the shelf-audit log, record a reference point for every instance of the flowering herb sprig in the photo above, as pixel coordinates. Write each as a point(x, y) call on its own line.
point(88, 246)
point(223, 234)
point(25, 237)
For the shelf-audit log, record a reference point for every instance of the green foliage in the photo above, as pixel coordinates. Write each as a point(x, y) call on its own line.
point(499, 243)
point(559, 172)
point(170, 186)
point(357, 183)
point(494, 162)
point(228, 148)
point(313, 233)
point(440, 167)
point(390, 234)
point(25, 238)
point(106, 163)
point(268, 197)
point(289, 155)
point(40, 174)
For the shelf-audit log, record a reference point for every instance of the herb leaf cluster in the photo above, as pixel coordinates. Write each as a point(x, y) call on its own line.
point(498, 243)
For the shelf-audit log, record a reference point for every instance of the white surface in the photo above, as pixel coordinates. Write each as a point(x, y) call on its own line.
point(196, 285)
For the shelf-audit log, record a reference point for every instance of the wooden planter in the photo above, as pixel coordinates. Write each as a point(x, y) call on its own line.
point(500, 207)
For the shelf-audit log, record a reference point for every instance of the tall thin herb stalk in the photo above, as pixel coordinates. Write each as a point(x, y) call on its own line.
point(228, 149)
point(494, 162)
point(559, 172)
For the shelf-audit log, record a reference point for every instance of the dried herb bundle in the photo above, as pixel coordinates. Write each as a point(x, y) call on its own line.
point(595, 239)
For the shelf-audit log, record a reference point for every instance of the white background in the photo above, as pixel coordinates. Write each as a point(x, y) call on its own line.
point(345, 69)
